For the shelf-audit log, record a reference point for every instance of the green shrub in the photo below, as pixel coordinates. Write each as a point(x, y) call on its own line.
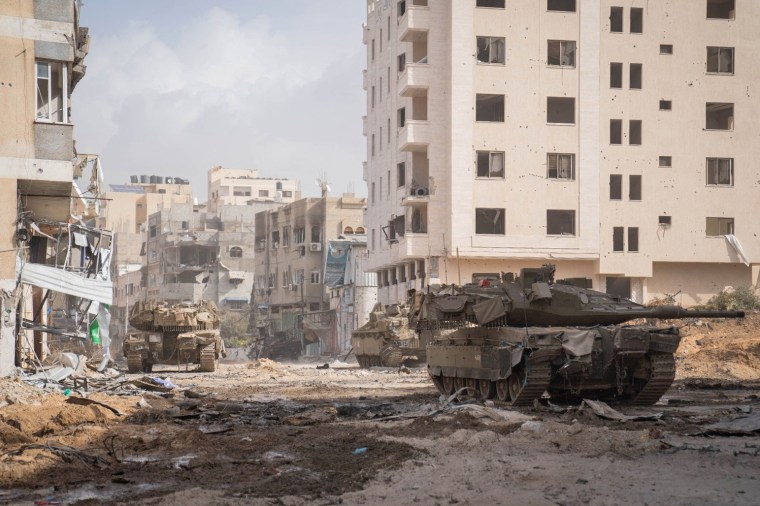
point(233, 327)
point(733, 299)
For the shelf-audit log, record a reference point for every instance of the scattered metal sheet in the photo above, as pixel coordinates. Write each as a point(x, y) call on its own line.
point(739, 426)
point(603, 410)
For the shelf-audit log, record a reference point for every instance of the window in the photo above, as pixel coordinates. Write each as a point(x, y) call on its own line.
point(373, 96)
point(389, 130)
point(153, 230)
point(401, 8)
point(560, 222)
point(401, 117)
point(489, 108)
point(401, 62)
point(618, 234)
point(491, 164)
point(236, 252)
point(720, 116)
point(286, 236)
point(489, 221)
point(380, 144)
point(287, 193)
point(616, 131)
point(720, 60)
point(635, 76)
point(348, 231)
point(721, 9)
point(388, 191)
point(490, 49)
point(560, 166)
point(373, 49)
point(666, 161)
point(561, 53)
point(314, 278)
point(665, 220)
point(633, 239)
point(373, 144)
point(634, 187)
point(634, 132)
point(616, 75)
point(316, 233)
point(637, 20)
point(560, 110)
point(616, 19)
point(666, 105)
point(360, 231)
point(275, 239)
point(666, 48)
point(263, 193)
point(299, 235)
point(717, 227)
point(720, 171)
point(373, 192)
point(616, 187)
point(400, 174)
point(388, 71)
point(495, 4)
point(381, 92)
point(560, 5)
point(52, 92)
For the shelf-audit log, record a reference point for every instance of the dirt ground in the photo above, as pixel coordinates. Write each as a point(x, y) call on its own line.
point(274, 433)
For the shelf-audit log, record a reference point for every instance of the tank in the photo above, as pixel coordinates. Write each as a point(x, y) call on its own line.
point(182, 334)
point(386, 339)
point(515, 338)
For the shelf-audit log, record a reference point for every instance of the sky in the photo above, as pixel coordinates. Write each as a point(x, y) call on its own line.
point(175, 87)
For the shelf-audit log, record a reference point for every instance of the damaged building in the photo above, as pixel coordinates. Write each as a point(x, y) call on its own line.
point(289, 293)
point(54, 262)
point(615, 141)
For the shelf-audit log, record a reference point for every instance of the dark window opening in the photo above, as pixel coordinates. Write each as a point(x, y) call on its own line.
point(634, 187)
point(616, 187)
point(665, 220)
point(666, 48)
point(489, 108)
point(616, 19)
point(720, 171)
point(560, 166)
point(491, 164)
point(616, 75)
point(617, 239)
point(666, 105)
point(400, 174)
point(401, 62)
point(561, 53)
point(634, 132)
point(720, 60)
point(494, 4)
point(637, 20)
point(666, 161)
point(636, 71)
point(401, 117)
point(560, 5)
point(616, 131)
point(721, 9)
point(236, 252)
point(719, 226)
point(619, 287)
point(490, 49)
point(720, 116)
point(560, 222)
point(633, 239)
point(560, 110)
point(489, 221)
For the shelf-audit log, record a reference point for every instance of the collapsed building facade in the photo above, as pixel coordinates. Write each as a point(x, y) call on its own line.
point(615, 141)
point(289, 295)
point(54, 262)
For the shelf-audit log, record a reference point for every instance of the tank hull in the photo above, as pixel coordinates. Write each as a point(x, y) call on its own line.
point(382, 348)
point(145, 349)
point(627, 363)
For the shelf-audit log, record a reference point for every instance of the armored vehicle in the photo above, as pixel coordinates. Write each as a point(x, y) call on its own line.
point(386, 340)
point(180, 334)
point(515, 338)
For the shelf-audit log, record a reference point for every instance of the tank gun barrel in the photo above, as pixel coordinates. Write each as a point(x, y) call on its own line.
point(677, 312)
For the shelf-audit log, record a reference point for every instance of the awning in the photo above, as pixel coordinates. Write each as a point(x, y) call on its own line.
point(237, 274)
point(58, 280)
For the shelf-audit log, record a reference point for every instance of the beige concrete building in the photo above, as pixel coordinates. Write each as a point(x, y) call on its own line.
point(51, 262)
point(290, 258)
point(616, 140)
point(246, 187)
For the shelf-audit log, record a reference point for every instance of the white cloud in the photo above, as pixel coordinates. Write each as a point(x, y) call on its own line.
point(225, 90)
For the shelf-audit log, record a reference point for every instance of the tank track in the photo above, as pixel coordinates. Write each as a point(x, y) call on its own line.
point(534, 385)
point(662, 376)
point(391, 356)
point(366, 361)
point(134, 363)
point(208, 358)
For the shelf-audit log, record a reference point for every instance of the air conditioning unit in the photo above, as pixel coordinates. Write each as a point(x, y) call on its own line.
point(315, 246)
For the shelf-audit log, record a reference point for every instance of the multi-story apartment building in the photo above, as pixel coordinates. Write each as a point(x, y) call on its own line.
point(290, 258)
point(49, 259)
point(246, 187)
point(614, 139)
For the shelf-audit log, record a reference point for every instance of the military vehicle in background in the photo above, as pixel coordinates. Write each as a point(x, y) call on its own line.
point(386, 339)
point(515, 338)
point(180, 334)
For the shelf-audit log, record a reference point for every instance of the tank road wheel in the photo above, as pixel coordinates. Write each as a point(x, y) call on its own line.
point(391, 356)
point(487, 388)
point(515, 384)
point(134, 363)
point(448, 385)
point(360, 361)
point(471, 383)
point(208, 358)
point(458, 383)
point(438, 382)
point(502, 390)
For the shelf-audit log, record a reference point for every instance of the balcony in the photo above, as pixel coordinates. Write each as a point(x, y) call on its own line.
point(415, 136)
point(415, 25)
point(415, 81)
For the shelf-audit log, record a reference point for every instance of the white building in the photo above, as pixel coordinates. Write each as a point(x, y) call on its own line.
point(241, 187)
point(614, 139)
